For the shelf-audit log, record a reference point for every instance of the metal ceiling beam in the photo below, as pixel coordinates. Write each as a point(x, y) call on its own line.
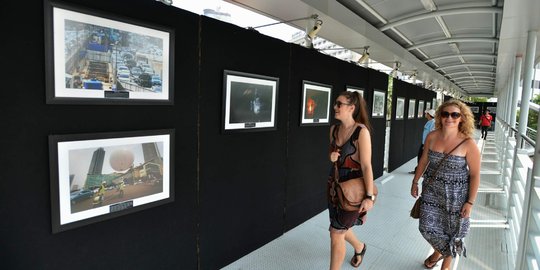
point(468, 86)
point(467, 65)
point(452, 40)
point(438, 13)
point(472, 77)
point(458, 55)
point(468, 72)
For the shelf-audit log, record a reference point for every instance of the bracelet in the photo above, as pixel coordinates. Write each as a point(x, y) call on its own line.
point(469, 203)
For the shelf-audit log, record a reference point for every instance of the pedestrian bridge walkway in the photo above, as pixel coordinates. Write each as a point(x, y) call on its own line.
point(392, 237)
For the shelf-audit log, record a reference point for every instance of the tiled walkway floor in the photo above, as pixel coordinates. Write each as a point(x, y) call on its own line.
point(391, 235)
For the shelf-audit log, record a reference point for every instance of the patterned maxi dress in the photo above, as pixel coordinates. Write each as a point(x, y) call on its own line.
point(442, 199)
point(348, 169)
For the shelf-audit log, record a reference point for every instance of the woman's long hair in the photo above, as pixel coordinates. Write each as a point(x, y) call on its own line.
point(360, 113)
point(466, 126)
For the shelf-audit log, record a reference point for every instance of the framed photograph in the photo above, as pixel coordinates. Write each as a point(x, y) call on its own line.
point(420, 109)
point(435, 104)
point(249, 101)
point(412, 105)
point(475, 109)
point(98, 58)
point(492, 109)
point(356, 89)
point(378, 104)
point(315, 103)
point(428, 105)
point(99, 176)
point(400, 108)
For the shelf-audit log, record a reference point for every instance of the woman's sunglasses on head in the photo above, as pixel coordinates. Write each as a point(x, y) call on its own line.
point(454, 115)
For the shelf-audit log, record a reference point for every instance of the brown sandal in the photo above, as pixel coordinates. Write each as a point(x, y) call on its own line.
point(355, 262)
point(429, 264)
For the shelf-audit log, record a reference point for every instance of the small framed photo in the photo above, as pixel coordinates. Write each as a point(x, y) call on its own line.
point(99, 176)
point(356, 89)
point(98, 58)
point(435, 104)
point(400, 108)
point(475, 109)
point(412, 106)
point(428, 105)
point(315, 103)
point(420, 109)
point(249, 101)
point(378, 104)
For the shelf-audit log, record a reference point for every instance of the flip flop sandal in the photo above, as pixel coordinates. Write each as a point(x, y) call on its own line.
point(429, 264)
point(355, 262)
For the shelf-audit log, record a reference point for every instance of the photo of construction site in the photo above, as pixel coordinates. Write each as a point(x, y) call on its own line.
point(99, 58)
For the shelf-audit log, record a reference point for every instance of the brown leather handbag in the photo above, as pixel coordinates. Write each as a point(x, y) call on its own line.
point(415, 211)
point(348, 195)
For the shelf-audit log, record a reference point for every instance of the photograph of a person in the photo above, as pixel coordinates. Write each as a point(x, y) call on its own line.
point(378, 104)
point(412, 105)
point(98, 58)
point(400, 108)
point(315, 103)
point(249, 101)
point(96, 177)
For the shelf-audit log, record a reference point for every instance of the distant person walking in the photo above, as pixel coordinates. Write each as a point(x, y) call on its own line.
point(428, 127)
point(485, 123)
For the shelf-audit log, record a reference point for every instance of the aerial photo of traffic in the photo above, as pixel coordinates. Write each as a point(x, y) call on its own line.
point(104, 58)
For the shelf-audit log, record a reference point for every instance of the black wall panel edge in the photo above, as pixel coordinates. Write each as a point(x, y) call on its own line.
point(378, 81)
point(242, 173)
point(125, 242)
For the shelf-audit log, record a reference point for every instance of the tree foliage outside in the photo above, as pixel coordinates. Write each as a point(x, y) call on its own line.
point(478, 99)
point(533, 116)
point(389, 98)
point(532, 121)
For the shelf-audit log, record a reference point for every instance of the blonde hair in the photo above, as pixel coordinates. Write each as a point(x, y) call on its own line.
point(466, 126)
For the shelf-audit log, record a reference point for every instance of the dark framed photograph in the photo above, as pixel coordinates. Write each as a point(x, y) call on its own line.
point(249, 101)
point(356, 89)
point(475, 109)
point(412, 106)
point(315, 103)
point(98, 58)
point(428, 105)
point(99, 176)
point(400, 108)
point(379, 101)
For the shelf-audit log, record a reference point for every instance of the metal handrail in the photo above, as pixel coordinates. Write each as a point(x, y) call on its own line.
point(515, 131)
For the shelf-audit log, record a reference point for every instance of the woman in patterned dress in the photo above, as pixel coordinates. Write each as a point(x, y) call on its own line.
point(350, 147)
point(447, 198)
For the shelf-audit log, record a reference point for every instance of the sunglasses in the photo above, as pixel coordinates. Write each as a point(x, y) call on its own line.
point(338, 103)
point(454, 115)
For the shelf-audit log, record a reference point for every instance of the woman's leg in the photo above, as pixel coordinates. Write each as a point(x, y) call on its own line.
point(358, 246)
point(351, 238)
point(337, 249)
point(433, 259)
point(447, 263)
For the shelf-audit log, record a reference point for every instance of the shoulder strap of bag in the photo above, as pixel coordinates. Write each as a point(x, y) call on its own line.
point(443, 159)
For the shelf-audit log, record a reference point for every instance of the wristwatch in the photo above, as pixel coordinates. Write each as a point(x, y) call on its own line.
point(371, 197)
